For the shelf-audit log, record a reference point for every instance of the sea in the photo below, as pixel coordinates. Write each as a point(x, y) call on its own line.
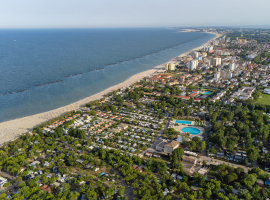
point(43, 69)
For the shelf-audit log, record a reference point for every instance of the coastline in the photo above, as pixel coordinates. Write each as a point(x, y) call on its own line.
point(12, 129)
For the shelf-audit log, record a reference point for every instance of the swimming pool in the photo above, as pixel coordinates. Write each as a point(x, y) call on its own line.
point(207, 92)
point(182, 122)
point(191, 130)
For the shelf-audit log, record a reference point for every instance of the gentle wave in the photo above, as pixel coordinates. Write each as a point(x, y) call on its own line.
point(139, 57)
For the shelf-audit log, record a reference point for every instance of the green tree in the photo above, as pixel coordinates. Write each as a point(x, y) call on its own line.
point(252, 154)
point(203, 146)
point(249, 179)
point(121, 190)
point(6, 185)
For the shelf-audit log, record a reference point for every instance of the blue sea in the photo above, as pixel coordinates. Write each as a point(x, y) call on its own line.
point(43, 69)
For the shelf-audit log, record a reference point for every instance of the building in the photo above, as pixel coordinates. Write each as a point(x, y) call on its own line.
point(2, 181)
point(232, 66)
point(266, 91)
point(208, 48)
point(260, 182)
point(158, 78)
point(217, 75)
point(229, 74)
point(242, 41)
point(168, 148)
point(46, 188)
point(204, 54)
point(170, 66)
point(190, 159)
point(251, 56)
point(148, 154)
point(216, 61)
point(160, 146)
point(195, 54)
point(192, 64)
point(218, 52)
point(215, 42)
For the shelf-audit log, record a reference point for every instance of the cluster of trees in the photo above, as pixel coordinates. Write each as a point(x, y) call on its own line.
point(77, 133)
point(170, 132)
point(258, 58)
point(68, 123)
point(250, 122)
point(176, 156)
point(145, 185)
point(195, 144)
point(108, 107)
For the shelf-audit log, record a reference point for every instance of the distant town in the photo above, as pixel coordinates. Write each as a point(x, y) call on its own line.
point(198, 128)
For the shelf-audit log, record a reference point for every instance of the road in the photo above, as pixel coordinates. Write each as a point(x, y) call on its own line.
point(7, 175)
point(152, 148)
point(13, 178)
point(128, 190)
point(218, 162)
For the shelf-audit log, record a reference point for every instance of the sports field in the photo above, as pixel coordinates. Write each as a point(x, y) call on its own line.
point(265, 100)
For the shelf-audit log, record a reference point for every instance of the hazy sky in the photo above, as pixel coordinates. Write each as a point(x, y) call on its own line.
point(132, 13)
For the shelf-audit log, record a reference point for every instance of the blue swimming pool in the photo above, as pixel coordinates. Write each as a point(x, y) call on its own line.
point(207, 92)
point(182, 122)
point(191, 130)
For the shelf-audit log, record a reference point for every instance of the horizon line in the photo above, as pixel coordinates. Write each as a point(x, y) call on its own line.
point(109, 27)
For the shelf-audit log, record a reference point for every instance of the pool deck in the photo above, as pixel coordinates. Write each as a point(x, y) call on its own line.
point(178, 128)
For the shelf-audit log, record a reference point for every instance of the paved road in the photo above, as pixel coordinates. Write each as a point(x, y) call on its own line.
point(7, 175)
point(128, 190)
point(152, 148)
point(218, 162)
point(13, 178)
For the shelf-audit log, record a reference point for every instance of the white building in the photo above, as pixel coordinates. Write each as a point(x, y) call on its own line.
point(2, 181)
point(192, 64)
point(229, 74)
point(232, 66)
point(266, 91)
point(217, 75)
point(215, 42)
point(195, 54)
point(216, 61)
point(207, 48)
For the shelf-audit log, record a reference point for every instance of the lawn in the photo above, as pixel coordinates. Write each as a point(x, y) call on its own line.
point(265, 100)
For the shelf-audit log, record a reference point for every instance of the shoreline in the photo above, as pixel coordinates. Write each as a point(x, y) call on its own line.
point(12, 129)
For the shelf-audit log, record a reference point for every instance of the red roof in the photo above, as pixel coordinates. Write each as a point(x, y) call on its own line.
point(193, 95)
point(183, 97)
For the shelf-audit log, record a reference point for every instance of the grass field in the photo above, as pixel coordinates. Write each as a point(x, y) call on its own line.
point(265, 100)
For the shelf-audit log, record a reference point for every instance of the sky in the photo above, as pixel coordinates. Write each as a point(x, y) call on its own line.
point(132, 13)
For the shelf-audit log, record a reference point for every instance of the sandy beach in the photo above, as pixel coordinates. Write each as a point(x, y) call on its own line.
point(10, 130)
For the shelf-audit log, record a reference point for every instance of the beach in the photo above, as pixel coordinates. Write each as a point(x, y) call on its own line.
point(12, 129)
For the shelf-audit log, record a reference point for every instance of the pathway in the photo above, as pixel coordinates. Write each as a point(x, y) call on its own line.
point(152, 148)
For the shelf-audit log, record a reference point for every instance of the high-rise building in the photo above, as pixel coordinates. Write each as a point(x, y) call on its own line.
point(232, 66)
point(226, 74)
point(215, 42)
point(216, 61)
point(192, 64)
point(195, 54)
point(170, 66)
point(208, 48)
point(218, 52)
